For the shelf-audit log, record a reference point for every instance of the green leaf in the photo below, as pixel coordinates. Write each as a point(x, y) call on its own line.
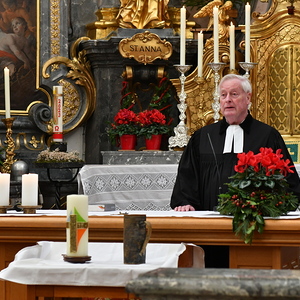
point(260, 228)
point(270, 184)
point(257, 184)
point(262, 177)
point(260, 219)
point(235, 183)
point(244, 183)
point(251, 228)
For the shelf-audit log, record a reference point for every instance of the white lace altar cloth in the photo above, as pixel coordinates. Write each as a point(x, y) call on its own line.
point(129, 187)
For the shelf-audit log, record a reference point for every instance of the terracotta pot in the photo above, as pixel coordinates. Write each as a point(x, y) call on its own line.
point(128, 141)
point(154, 143)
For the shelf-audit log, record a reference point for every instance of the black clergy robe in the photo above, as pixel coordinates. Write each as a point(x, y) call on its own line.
point(201, 176)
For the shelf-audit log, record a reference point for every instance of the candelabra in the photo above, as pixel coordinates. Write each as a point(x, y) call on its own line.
point(216, 67)
point(247, 66)
point(200, 82)
point(181, 137)
point(10, 150)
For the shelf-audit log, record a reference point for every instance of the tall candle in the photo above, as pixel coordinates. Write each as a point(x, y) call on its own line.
point(58, 113)
point(77, 225)
point(4, 188)
point(200, 53)
point(232, 46)
point(216, 34)
point(247, 32)
point(30, 189)
point(182, 35)
point(7, 92)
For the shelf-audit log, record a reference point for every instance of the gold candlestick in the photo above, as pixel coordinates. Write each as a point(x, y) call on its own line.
point(10, 150)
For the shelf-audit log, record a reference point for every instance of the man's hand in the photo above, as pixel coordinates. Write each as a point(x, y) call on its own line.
point(184, 208)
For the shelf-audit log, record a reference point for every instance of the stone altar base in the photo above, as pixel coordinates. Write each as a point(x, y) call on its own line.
point(216, 284)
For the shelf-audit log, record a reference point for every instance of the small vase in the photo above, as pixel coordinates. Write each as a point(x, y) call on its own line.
point(128, 141)
point(154, 142)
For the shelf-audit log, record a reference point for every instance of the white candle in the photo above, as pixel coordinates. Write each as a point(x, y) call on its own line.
point(232, 46)
point(30, 189)
point(216, 34)
point(7, 92)
point(4, 188)
point(247, 32)
point(182, 35)
point(58, 114)
point(77, 225)
point(200, 53)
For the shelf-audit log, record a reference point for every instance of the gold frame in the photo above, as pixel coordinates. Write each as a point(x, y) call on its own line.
point(37, 72)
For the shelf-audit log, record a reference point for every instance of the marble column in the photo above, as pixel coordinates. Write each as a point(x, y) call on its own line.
point(216, 284)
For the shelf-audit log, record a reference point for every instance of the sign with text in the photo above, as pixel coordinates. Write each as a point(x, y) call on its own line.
point(145, 47)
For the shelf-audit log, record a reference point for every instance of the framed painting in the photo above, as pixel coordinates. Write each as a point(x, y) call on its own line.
point(18, 52)
point(34, 34)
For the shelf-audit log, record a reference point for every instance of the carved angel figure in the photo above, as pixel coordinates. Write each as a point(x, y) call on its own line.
point(143, 13)
point(207, 10)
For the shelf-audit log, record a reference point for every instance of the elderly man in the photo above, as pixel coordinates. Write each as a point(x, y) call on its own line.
point(211, 154)
point(208, 160)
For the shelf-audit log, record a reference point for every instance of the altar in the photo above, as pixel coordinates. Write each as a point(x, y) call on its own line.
point(129, 187)
point(276, 248)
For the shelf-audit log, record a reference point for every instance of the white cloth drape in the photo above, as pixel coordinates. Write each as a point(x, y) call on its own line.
point(43, 264)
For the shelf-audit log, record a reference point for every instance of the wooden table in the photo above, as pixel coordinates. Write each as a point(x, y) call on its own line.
point(276, 248)
point(32, 292)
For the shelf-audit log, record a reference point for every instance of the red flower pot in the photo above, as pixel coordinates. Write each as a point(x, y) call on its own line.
point(128, 141)
point(154, 143)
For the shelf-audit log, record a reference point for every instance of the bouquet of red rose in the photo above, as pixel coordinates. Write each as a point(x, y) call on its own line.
point(152, 122)
point(258, 189)
point(125, 122)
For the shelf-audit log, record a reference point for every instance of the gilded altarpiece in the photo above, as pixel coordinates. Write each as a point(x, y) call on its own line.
point(275, 47)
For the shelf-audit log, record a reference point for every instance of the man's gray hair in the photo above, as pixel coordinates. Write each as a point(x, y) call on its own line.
point(245, 83)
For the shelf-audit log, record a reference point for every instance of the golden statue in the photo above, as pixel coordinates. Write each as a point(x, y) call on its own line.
point(207, 10)
point(143, 14)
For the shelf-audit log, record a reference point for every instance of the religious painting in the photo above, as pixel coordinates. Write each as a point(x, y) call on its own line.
point(18, 51)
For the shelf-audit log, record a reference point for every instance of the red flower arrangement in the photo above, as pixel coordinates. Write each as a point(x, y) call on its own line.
point(258, 189)
point(125, 122)
point(152, 122)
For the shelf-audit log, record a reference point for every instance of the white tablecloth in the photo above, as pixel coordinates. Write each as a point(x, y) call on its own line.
point(129, 187)
point(43, 264)
point(149, 213)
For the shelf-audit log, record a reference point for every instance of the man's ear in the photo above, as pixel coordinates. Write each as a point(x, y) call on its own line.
point(249, 97)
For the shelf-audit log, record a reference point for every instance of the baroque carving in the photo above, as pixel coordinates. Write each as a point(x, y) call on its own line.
point(107, 23)
point(143, 14)
point(55, 29)
point(275, 46)
point(79, 74)
point(207, 11)
point(40, 114)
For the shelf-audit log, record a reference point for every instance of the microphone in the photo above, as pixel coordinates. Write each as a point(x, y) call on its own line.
point(216, 162)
